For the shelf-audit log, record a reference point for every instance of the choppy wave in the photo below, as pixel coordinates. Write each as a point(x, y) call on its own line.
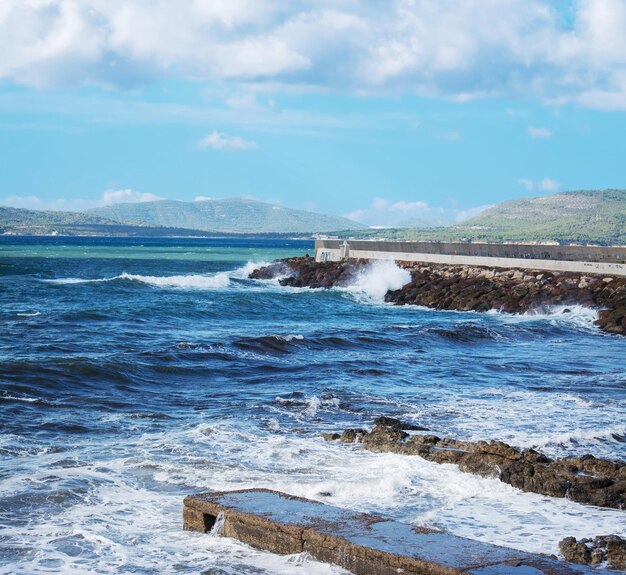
point(129, 397)
point(218, 280)
point(197, 281)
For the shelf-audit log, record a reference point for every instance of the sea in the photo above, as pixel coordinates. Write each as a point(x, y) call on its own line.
point(134, 372)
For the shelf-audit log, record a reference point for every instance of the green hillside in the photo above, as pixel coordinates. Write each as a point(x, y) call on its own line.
point(596, 217)
point(229, 215)
point(21, 221)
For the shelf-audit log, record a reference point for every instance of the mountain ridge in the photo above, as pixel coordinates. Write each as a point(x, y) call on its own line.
point(234, 215)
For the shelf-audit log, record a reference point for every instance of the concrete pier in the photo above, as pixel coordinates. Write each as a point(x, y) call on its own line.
point(361, 543)
point(581, 259)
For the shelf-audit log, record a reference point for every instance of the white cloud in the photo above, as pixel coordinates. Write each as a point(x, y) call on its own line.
point(549, 185)
point(385, 213)
point(77, 204)
point(202, 199)
point(450, 49)
point(221, 141)
point(544, 185)
point(127, 196)
point(539, 133)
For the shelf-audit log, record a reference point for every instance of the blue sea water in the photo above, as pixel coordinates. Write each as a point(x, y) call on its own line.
point(136, 371)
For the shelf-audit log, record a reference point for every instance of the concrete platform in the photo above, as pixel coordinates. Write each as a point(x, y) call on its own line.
point(362, 543)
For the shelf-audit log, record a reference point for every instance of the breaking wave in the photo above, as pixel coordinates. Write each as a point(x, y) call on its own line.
point(218, 280)
point(379, 277)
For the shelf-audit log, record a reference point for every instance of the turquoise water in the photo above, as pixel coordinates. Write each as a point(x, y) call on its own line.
point(136, 371)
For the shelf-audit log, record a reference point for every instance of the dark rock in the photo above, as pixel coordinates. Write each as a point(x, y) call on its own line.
point(352, 435)
point(609, 548)
point(397, 424)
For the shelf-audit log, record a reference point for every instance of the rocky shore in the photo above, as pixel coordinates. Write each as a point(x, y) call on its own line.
point(609, 549)
point(470, 288)
point(585, 479)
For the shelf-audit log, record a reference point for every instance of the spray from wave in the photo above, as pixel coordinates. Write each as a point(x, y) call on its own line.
point(578, 315)
point(380, 276)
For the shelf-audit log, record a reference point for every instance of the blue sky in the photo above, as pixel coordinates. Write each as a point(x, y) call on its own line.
point(383, 111)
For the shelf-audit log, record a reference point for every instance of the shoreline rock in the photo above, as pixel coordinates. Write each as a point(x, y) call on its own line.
point(584, 479)
point(604, 548)
point(470, 288)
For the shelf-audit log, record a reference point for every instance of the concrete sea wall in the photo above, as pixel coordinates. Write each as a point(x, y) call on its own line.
point(580, 259)
point(362, 543)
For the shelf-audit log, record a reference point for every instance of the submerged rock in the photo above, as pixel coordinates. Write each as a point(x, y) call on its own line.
point(604, 548)
point(397, 424)
point(470, 288)
point(585, 479)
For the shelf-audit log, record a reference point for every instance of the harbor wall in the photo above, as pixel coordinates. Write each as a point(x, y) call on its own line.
point(582, 259)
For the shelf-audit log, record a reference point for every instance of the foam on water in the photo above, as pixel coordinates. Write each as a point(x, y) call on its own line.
point(578, 315)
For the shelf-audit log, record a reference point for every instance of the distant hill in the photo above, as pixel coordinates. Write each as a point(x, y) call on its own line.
point(588, 216)
point(229, 215)
point(22, 217)
point(39, 222)
point(21, 221)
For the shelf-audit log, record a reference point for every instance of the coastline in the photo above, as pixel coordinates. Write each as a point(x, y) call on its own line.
point(471, 288)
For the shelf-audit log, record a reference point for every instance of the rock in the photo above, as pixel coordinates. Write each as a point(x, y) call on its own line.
point(609, 548)
point(352, 435)
point(397, 424)
point(584, 479)
point(574, 551)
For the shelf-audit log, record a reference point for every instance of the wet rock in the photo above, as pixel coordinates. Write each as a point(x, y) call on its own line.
point(604, 548)
point(352, 435)
point(465, 288)
point(397, 424)
point(584, 479)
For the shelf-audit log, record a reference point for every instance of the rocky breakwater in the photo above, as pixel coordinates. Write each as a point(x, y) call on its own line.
point(585, 479)
point(471, 288)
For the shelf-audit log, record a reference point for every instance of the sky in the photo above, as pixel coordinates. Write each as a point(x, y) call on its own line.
point(382, 110)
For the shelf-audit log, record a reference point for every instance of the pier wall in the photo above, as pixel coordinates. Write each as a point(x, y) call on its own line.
point(361, 543)
point(581, 259)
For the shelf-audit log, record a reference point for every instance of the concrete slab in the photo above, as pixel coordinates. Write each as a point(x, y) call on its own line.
point(359, 542)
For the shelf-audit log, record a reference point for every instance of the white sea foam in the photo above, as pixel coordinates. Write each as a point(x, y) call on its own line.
point(219, 280)
point(377, 278)
point(24, 399)
point(26, 314)
point(578, 315)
